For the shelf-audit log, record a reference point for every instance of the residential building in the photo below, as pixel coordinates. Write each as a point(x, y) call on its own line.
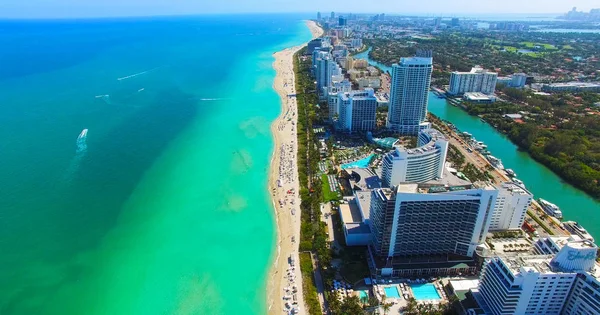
point(572, 87)
point(356, 43)
point(368, 82)
point(477, 80)
point(518, 80)
point(430, 221)
point(563, 282)
point(357, 111)
point(422, 164)
point(314, 44)
point(334, 89)
point(409, 94)
point(325, 69)
point(510, 208)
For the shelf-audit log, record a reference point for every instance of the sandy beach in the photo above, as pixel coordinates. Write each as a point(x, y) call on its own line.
point(284, 187)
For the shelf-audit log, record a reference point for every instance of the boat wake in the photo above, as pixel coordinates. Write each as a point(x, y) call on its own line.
point(80, 153)
point(213, 99)
point(105, 98)
point(135, 74)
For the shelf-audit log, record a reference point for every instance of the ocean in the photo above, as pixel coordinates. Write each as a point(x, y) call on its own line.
point(164, 209)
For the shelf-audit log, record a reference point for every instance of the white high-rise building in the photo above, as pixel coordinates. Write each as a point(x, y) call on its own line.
point(564, 282)
point(325, 70)
point(409, 95)
point(357, 111)
point(511, 207)
point(429, 220)
point(337, 87)
point(477, 80)
point(422, 164)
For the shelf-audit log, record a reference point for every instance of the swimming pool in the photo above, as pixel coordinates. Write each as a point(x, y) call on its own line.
point(363, 294)
point(392, 292)
point(425, 291)
point(362, 163)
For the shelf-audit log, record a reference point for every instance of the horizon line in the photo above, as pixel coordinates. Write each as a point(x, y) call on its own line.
point(407, 14)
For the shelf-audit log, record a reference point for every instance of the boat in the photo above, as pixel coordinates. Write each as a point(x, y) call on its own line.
point(510, 172)
point(81, 144)
point(550, 208)
point(496, 162)
point(575, 228)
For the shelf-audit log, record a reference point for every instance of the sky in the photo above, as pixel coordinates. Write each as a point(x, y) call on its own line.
point(113, 8)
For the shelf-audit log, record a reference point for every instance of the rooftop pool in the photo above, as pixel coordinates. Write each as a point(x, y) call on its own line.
point(392, 292)
point(362, 163)
point(425, 291)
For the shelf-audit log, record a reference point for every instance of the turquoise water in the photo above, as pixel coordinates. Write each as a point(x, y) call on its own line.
point(167, 210)
point(362, 163)
point(392, 292)
point(541, 181)
point(363, 294)
point(425, 291)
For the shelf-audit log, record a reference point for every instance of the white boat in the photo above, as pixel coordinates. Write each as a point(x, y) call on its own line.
point(510, 172)
point(81, 144)
point(550, 208)
point(496, 162)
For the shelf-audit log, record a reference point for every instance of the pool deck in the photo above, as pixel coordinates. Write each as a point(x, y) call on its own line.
point(404, 288)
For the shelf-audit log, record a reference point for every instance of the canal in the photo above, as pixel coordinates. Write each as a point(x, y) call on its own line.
point(539, 180)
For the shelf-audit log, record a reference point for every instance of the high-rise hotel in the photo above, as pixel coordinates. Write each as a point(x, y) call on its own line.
point(415, 220)
point(409, 95)
point(421, 164)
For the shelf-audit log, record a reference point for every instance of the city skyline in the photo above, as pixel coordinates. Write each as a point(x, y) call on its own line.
point(15, 9)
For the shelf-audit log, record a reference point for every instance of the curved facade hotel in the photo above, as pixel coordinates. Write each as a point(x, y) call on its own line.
point(416, 165)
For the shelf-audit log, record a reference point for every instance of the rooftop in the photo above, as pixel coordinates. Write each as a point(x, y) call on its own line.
point(449, 179)
point(363, 197)
point(575, 84)
point(350, 212)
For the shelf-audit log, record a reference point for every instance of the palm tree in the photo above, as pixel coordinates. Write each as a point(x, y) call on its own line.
point(386, 307)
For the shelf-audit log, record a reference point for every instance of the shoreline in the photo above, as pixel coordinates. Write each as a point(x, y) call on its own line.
point(283, 177)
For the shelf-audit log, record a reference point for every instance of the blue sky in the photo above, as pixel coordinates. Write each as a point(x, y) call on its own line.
point(109, 8)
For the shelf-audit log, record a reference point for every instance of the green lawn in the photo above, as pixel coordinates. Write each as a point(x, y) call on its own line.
point(532, 44)
point(328, 195)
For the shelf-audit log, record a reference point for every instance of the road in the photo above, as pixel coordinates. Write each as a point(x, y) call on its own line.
point(482, 163)
point(319, 283)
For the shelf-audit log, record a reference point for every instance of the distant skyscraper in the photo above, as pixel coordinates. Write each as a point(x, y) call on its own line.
point(332, 15)
point(318, 15)
point(409, 94)
point(455, 22)
point(342, 21)
point(428, 221)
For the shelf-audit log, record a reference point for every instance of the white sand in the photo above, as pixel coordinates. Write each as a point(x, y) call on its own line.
point(284, 169)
